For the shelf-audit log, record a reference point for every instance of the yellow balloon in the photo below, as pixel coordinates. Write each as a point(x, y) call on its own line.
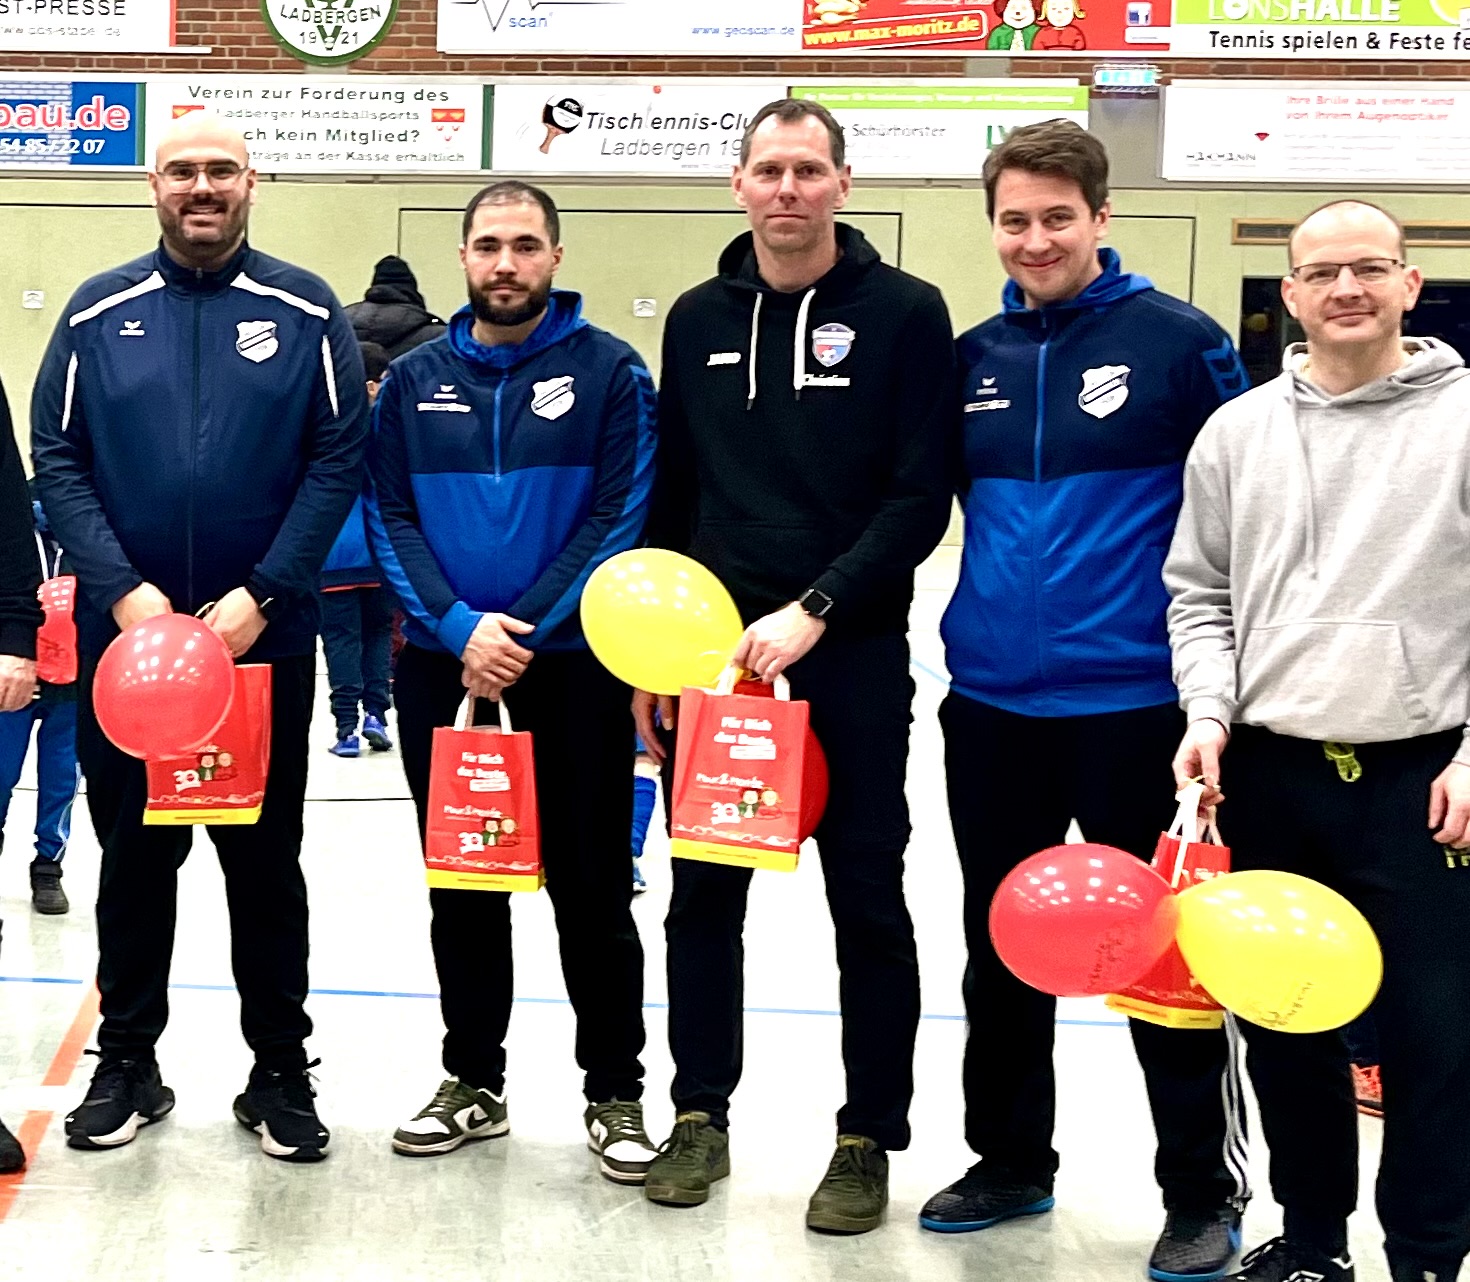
point(659, 621)
point(1280, 950)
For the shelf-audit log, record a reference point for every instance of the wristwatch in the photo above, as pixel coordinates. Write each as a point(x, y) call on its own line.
point(816, 603)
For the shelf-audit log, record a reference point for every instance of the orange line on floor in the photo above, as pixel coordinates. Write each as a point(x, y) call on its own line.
point(63, 1065)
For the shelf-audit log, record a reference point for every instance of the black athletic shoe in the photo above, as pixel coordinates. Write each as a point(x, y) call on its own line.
point(1282, 1261)
point(47, 896)
point(980, 1198)
point(1195, 1246)
point(12, 1156)
point(125, 1094)
point(280, 1107)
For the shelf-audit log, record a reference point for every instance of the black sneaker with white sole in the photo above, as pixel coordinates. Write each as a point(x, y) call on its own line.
point(279, 1105)
point(1281, 1260)
point(126, 1093)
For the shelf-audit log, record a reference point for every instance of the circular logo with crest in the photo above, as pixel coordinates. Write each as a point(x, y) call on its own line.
point(329, 31)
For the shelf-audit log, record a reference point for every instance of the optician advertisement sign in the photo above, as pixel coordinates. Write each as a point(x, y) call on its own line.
point(1264, 131)
point(939, 130)
point(58, 123)
point(325, 125)
point(86, 26)
point(1380, 30)
point(713, 27)
point(682, 127)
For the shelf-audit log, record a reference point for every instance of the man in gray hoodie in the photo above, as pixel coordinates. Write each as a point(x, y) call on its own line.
point(1320, 626)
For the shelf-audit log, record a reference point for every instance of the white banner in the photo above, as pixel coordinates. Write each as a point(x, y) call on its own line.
point(324, 125)
point(935, 129)
point(1317, 131)
point(597, 27)
point(87, 26)
point(679, 127)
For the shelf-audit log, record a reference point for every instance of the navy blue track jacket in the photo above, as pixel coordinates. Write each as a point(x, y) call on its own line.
point(501, 477)
point(1078, 418)
point(200, 431)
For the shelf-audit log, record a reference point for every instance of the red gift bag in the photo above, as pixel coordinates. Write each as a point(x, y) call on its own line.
point(1185, 856)
point(222, 782)
point(482, 831)
point(739, 775)
point(56, 642)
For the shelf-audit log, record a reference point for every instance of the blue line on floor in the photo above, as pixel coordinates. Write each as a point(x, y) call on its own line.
point(526, 1001)
point(929, 672)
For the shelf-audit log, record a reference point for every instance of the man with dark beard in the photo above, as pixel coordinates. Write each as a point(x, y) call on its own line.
point(198, 426)
point(508, 462)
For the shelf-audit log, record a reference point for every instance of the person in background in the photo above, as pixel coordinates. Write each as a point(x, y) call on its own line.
point(392, 313)
point(357, 618)
point(54, 711)
point(645, 797)
point(1361, 1037)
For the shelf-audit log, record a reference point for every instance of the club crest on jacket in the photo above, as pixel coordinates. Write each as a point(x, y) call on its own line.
point(1104, 389)
point(256, 340)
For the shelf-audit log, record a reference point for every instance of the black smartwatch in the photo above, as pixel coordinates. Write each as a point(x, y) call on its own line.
point(268, 605)
point(815, 603)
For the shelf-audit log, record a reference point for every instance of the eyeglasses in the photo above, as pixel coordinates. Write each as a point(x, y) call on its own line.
point(1368, 271)
point(181, 175)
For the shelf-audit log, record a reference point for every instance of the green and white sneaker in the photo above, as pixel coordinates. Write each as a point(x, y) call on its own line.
point(615, 1133)
point(456, 1115)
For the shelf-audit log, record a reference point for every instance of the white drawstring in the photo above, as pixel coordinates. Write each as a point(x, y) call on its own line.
point(47, 570)
point(755, 334)
point(798, 351)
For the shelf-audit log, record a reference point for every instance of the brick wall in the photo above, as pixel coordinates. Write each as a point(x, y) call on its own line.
point(238, 35)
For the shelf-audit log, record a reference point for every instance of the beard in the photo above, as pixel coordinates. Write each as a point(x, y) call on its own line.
point(530, 306)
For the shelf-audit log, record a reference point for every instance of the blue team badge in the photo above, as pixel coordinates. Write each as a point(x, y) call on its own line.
point(831, 343)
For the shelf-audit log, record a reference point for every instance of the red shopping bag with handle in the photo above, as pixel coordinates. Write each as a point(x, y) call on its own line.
point(56, 641)
point(222, 782)
point(482, 831)
point(739, 776)
point(1185, 856)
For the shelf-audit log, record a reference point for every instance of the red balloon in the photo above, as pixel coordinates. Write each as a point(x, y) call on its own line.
point(1082, 920)
point(163, 687)
point(815, 779)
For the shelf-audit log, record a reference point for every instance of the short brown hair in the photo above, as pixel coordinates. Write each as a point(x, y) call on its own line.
point(511, 192)
point(1058, 147)
point(788, 111)
point(1333, 204)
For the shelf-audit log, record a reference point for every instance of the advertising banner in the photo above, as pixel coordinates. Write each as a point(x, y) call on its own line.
point(56, 123)
point(714, 27)
point(1379, 30)
point(1317, 131)
point(326, 125)
point(939, 130)
point(86, 26)
point(1011, 27)
point(681, 127)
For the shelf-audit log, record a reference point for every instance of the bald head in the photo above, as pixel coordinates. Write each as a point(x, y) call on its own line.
point(201, 136)
point(1356, 220)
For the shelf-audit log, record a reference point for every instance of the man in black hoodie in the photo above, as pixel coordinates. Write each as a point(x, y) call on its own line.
point(392, 312)
point(806, 409)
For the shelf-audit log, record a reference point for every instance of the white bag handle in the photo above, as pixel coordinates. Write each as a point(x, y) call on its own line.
point(1186, 826)
point(464, 719)
point(733, 674)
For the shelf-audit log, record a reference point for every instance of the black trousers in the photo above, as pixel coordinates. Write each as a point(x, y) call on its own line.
point(357, 638)
point(860, 693)
point(578, 715)
point(1287, 808)
point(266, 892)
point(1015, 784)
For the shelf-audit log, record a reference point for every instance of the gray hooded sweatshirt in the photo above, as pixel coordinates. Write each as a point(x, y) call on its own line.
point(1320, 570)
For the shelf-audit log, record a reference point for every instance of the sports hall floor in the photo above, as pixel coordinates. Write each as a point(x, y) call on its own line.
point(194, 1199)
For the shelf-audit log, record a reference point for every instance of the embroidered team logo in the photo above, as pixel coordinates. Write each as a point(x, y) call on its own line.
point(1104, 390)
point(831, 343)
point(553, 398)
point(256, 340)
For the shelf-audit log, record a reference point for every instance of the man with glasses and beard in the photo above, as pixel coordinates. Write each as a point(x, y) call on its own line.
point(198, 426)
point(510, 459)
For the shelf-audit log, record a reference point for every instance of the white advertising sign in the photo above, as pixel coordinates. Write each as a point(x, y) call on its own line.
point(681, 127)
point(1317, 131)
point(659, 27)
point(324, 125)
point(939, 130)
point(86, 26)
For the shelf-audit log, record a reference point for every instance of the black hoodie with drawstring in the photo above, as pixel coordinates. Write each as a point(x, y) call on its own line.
point(804, 437)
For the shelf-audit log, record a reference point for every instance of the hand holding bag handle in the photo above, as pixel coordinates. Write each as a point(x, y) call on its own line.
point(464, 719)
point(1186, 826)
point(734, 674)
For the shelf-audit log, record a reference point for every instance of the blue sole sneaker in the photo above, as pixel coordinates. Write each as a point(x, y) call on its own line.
point(1196, 1246)
point(981, 1199)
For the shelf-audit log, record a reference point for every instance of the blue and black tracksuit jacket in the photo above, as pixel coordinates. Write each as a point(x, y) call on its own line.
point(201, 431)
point(1078, 417)
point(501, 477)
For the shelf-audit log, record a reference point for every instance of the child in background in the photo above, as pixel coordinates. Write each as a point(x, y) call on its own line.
point(645, 793)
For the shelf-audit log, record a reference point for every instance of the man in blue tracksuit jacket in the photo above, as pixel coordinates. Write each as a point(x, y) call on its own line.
point(510, 458)
point(198, 425)
point(1081, 400)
